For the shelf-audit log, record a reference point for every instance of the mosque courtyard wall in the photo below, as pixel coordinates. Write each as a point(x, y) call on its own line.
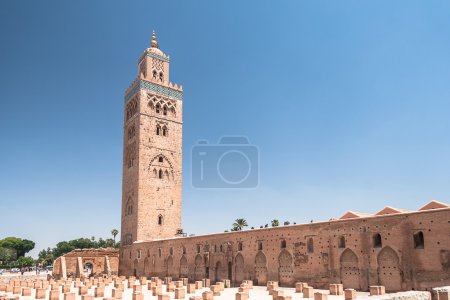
point(401, 251)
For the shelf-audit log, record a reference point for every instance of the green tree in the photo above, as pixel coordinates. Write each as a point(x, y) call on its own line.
point(7, 254)
point(24, 261)
point(275, 223)
point(114, 233)
point(22, 246)
point(287, 223)
point(239, 224)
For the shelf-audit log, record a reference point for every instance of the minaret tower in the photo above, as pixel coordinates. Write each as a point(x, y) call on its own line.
point(151, 183)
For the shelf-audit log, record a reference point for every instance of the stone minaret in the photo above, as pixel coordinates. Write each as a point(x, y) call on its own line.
point(151, 184)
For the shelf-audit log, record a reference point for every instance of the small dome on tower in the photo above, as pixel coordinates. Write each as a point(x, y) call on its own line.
point(154, 45)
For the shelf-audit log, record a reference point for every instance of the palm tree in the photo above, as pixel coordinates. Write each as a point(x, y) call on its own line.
point(275, 223)
point(239, 224)
point(114, 232)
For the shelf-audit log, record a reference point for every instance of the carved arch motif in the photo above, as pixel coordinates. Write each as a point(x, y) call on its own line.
point(389, 273)
point(350, 273)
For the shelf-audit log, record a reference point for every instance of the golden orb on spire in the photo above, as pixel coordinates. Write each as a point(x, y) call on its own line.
point(154, 43)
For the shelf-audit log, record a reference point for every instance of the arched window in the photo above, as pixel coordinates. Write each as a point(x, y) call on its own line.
point(171, 251)
point(310, 245)
point(184, 250)
point(158, 108)
point(221, 248)
point(164, 131)
point(161, 76)
point(160, 174)
point(165, 110)
point(155, 74)
point(239, 246)
point(155, 173)
point(166, 175)
point(159, 252)
point(377, 241)
point(198, 248)
point(341, 242)
point(160, 159)
point(131, 132)
point(419, 242)
point(260, 246)
point(215, 248)
point(158, 130)
point(160, 220)
point(283, 244)
point(129, 207)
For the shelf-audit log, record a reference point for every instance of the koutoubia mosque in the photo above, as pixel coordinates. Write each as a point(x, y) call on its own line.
point(399, 249)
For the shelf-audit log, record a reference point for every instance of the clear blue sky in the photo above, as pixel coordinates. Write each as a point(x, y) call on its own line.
point(348, 102)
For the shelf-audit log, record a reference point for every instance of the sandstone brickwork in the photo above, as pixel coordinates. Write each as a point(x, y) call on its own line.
point(394, 248)
point(102, 261)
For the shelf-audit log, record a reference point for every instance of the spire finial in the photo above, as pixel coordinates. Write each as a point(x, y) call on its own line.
point(154, 43)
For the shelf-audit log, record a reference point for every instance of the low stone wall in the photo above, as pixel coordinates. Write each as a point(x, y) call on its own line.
point(98, 261)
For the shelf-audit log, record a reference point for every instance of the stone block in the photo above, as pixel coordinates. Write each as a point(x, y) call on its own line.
point(54, 295)
point(185, 281)
point(40, 293)
point(117, 293)
point(138, 296)
point(350, 294)
point(226, 283)
point(320, 296)
point(137, 288)
point(443, 294)
point(69, 296)
point(195, 298)
point(99, 292)
point(208, 295)
point(178, 284)
point(191, 288)
point(170, 286)
point(26, 291)
point(87, 297)
point(66, 289)
point(377, 290)
point(241, 296)
point(206, 282)
point(298, 287)
point(215, 289)
point(82, 290)
point(143, 280)
point(164, 297)
point(157, 290)
point(308, 292)
point(37, 285)
point(199, 284)
point(167, 280)
point(284, 298)
point(17, 290)
point(180, 293)
point(336, 289)
point(277, 293)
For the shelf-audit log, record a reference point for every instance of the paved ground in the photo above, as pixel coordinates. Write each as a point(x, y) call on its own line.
point(27, 275)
